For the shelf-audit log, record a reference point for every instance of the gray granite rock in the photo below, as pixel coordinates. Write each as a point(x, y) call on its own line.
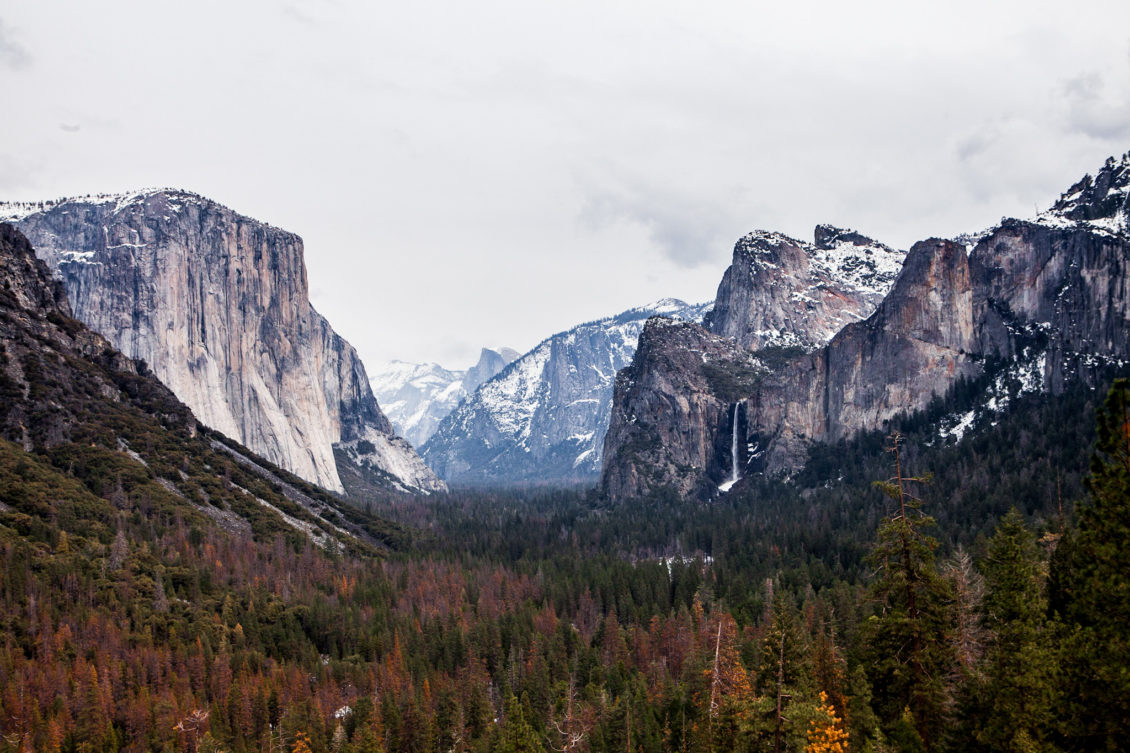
point(216, 304)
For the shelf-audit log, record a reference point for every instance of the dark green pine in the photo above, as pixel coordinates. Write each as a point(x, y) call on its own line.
point(1019, 661)
point(1090, 592)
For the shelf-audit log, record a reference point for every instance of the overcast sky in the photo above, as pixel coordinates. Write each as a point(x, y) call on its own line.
point(491, 172)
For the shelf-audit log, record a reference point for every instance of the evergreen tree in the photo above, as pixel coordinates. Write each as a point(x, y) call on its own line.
point(1091, 593)
point(784, 683)
point(907, 644)
point(1019, 661)
point(516, 735)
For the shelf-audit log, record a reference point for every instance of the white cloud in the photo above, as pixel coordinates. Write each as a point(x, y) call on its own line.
point(491, 172)
point(1094, 109)
point(13, 55)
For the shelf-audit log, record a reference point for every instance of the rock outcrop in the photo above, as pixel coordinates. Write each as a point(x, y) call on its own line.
point(779, 291)
point(543, 418)
point(1053, 291)
point(917, 343)
point(52, 368)
point(672, 412)
point(216, 304)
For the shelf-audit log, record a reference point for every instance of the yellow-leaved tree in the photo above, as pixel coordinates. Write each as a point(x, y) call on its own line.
point(826, 733)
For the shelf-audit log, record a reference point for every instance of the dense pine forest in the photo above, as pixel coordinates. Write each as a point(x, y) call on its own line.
point(975, 598)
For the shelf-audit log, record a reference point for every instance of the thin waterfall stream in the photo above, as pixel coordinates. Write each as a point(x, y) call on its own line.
point(734, 475)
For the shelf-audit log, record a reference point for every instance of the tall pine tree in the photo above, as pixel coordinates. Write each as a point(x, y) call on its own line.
point(1019, 671)
point(1090, 591)
point(906, 643)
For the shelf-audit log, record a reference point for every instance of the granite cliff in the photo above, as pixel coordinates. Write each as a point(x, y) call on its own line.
point(216, 305)
point(90, 437)
point(1048, 299)
point(672, 413)
point(780, 291)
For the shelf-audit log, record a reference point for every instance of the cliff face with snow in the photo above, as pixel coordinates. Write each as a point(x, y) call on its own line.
point(216, 304)
point(672, 417)
point(1047, 298)
point(780, 291)
point(416, 397)
point(543, 418)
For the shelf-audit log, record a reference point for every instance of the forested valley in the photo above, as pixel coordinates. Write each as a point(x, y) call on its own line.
point(975, 598)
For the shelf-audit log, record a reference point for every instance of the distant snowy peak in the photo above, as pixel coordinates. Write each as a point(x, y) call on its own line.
point(417, 396)
point(396, 374)
point(670, 307)
point(490, 363)
point(543, 417)
point(1101, 202)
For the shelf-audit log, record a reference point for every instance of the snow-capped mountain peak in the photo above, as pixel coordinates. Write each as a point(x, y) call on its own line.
point(780, 291)
point(1101, 202)
point(543, 417)
point(417, 396)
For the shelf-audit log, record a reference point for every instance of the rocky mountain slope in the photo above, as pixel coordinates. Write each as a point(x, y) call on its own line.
point(417, 396)
point(543, 418)
point(86, 424)
point(1048, 298)
point(672, 416)
point(216, 304)
point(779, 291)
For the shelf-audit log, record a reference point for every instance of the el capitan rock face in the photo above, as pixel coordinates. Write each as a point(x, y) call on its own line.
point(1051, 295)
point(216, 304)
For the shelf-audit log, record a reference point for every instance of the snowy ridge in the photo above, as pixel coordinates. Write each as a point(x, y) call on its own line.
point(394, 458)
point(14, 211)
point(544, 417)
point(173, 200)
point(417, 397)
point(855, 260)
point(839, 255)
point(783, 292)
point(1101, 203)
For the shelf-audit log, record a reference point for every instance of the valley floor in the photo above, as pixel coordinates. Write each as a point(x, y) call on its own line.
point(815, 614)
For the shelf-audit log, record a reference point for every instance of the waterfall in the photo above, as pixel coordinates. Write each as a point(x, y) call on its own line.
point(734, 475)
point(734, 449)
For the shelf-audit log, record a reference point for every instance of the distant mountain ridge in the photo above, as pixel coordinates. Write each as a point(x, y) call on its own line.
point(543, 418)
point(1046, 300)
point(216, 304)
point(416, 397)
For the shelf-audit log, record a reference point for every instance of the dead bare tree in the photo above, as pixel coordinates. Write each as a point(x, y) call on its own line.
point(716, 679)
point(191, 726)
point(572, 729)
